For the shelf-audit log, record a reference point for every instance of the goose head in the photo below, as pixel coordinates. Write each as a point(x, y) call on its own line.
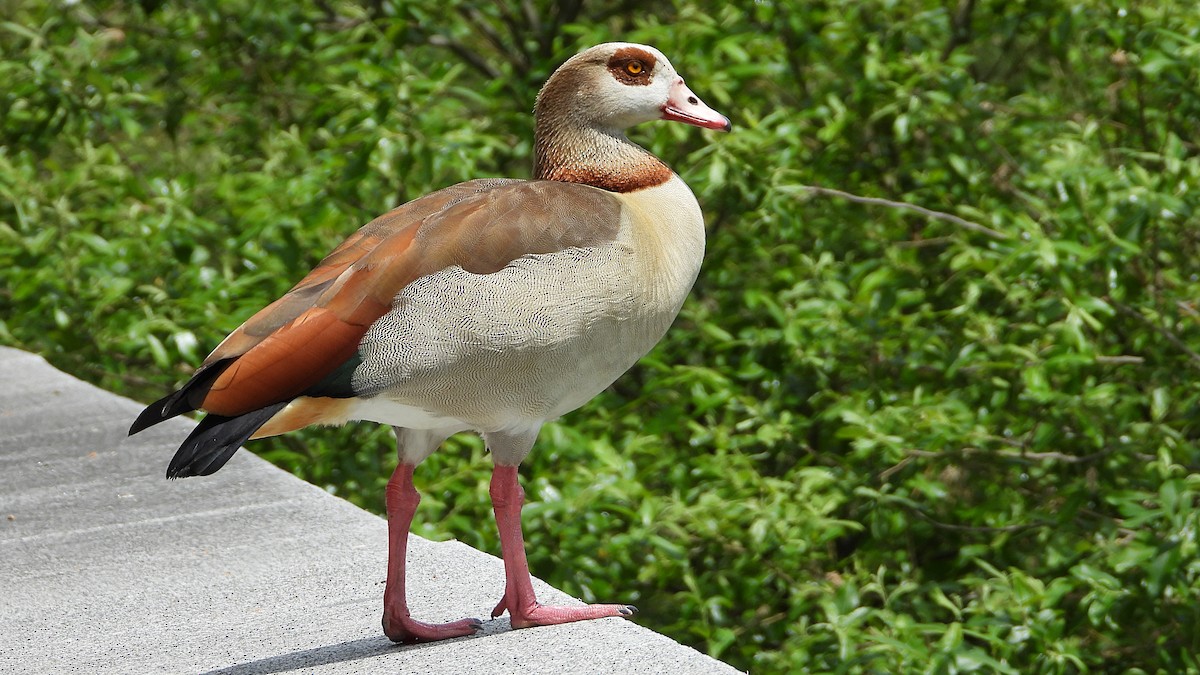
point(619, 84)
point(585, 107)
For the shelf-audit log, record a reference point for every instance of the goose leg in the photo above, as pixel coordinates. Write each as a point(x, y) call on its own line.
point(519, 599)
point(398, 624)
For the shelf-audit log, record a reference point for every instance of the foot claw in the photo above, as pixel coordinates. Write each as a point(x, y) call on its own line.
point(408, 630)
point(542, 615)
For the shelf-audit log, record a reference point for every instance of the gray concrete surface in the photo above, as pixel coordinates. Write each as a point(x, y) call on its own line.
point(106, 567)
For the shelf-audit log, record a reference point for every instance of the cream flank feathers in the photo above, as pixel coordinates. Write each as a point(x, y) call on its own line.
point(491, 306)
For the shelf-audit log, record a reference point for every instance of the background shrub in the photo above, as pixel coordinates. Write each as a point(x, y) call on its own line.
point(874, 441)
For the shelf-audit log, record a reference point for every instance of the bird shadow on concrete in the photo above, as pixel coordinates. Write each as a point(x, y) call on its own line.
point(351, 650)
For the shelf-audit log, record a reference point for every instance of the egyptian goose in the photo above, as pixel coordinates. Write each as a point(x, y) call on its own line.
point(491, 306)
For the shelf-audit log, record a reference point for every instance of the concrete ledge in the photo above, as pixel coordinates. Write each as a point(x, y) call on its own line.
point(107, 567)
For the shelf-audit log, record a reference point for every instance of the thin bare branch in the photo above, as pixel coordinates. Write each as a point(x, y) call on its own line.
point(470, 56)
point(923, 243)
point(479, 23)
point(929, 213)
point(517, 27)
point(1019, 455)
point(1162, 330)
point(1120, 360)
point(978, 528)
point(886, 474)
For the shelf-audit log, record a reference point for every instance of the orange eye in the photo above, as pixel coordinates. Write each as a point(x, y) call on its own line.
point(634, 68)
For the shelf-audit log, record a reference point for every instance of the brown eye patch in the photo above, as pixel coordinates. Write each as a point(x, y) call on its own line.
point(631, 65)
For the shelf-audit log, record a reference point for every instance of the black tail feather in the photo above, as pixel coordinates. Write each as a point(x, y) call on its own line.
point(214, 441)
point(156, 412)
point(187, 399)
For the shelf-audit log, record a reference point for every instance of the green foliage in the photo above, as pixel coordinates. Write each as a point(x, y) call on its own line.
point(874, 442)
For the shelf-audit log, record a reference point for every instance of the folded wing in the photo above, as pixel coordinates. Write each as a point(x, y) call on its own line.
point(306, 342)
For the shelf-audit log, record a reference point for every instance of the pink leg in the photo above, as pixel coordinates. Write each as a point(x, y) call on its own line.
point(519, 600)
point(402, 500)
